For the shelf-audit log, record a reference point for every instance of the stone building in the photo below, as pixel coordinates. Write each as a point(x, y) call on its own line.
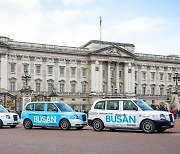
point(80, 75)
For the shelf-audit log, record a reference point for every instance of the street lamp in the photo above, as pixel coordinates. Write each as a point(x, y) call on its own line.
point(176, 78)
point(26, 77)
point(26, 90)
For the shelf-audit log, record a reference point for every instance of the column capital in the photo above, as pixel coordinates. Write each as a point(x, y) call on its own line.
point(56, 60)
point(19, 57)
point(44, 59)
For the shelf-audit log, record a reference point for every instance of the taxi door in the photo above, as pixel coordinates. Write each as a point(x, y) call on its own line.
point(39, 116)
point(99, 111)
point(112, 114)
point(129, 114)
point(52, 115)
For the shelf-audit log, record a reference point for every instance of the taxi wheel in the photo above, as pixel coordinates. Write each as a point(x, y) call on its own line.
point(1, 124)
point(27, 124)
point(98, 125)
point(13, 126)
point(148, 126)
point(65, 124)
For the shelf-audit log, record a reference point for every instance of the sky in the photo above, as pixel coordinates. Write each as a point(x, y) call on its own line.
point(153, 26)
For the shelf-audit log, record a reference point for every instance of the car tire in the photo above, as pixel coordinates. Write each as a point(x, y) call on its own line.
point(13, 126)
point(148, 126)
point(80, 127)
point(1, 124)
point(98, 125)
point(65, 124)
point(160, 130)
point(27, 124)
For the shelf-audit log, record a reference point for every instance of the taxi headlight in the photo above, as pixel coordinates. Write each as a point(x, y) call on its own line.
point(162, 117)
point(8, 117)
point(76, 116)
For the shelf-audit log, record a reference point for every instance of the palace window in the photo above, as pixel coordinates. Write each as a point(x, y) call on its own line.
point(161, 91)
point(143, 90)
point(161, 76)
point(12, 68)
point(152, 90)
point(84, 87)
point(50, 70)
point(152, 76)
point(50, 87)
point(73, 71)
point(135, 90)
point(38, 69)
point(112, 73)
point(12, 86)
point(73, 87)
point(38, 87)
point(169, 77)
point(135, 75)
point(61, 87)
point(144, 76)
point(83, 72)
point(62, 68)
point(104, 74)
point(26, 67)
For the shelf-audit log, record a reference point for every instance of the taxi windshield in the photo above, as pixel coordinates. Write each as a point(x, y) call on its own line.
point(2, 109)
point(64, 107)
point(143, 105)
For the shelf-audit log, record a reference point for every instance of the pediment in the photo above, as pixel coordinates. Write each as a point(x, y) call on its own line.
point(113, 51)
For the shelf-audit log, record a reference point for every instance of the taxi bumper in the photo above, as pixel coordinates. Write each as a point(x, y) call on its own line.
point(9, 122)
point(77, 123)
point(164, 124)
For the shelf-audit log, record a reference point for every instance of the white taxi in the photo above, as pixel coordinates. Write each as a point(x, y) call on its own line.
point(128, 113)
point(8, 118)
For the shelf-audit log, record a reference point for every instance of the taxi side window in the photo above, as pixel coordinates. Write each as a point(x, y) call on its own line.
point(129, 105)
point(30, 107)
point(51, 107)
point(113, 105)
point(100, 105)
point(39, 107)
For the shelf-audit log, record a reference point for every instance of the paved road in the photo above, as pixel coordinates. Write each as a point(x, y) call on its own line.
point(46, 141)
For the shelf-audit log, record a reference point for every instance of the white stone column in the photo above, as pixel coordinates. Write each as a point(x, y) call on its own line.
point(126, 78)
point(19, 71)
point(100, 89)
point(109, 77)
point(56, 74)
point(67, 76)
point(93, 77)
point(132, 79)
point(44, 74)
point(79, 76)
point(117, 76)
point(31, 72)
point(4, 71)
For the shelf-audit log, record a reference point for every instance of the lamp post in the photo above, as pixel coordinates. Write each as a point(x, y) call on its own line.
point(175, 93)
point(176, 78)
point(26, 77)
point(26, 89)
point(53, 94)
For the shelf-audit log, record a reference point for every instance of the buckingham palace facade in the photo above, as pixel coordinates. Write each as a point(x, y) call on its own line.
point(80, 75)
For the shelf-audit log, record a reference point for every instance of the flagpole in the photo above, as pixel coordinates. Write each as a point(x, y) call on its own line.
point(100, 29)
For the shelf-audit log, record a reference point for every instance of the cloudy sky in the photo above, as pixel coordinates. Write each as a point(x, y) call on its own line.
point(153, 26)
